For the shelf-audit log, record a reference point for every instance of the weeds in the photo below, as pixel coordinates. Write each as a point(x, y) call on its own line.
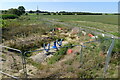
point(69, 62)
point(59, 54)
point(35, 64)
point(70, 69)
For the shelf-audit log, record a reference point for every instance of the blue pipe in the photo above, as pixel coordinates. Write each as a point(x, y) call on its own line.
point(59, 42)
point(46, 49)
point(67, 46)
point(54, 46)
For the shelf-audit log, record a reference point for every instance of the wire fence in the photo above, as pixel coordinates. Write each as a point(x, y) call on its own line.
point(94, 57)
point(83, 59)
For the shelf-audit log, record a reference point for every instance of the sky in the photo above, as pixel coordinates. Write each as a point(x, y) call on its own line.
point(53, 6)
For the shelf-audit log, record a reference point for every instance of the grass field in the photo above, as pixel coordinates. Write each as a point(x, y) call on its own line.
point(106, 19)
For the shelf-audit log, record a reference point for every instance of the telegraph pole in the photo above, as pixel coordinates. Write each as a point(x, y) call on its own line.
point(37, 11)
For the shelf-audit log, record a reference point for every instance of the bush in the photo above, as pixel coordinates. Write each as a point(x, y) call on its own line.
point(4, 24)
point(26, 13)
point(9, 16)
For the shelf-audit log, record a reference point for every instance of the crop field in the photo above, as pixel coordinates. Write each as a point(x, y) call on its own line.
point(30, 32)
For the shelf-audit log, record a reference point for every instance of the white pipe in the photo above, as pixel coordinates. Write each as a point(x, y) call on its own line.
point(11, 48)
point(9, 75)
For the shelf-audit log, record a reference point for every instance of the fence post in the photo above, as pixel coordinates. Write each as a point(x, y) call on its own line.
point(24, 65)
point(81, 55)
point(108, 57)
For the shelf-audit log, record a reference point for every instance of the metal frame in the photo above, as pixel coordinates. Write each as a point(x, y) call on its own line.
point(108, 56)
point(81, 54)
point(22, 56)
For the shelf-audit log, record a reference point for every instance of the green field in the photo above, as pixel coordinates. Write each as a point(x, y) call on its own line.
point(107, 23)
point(106, 19)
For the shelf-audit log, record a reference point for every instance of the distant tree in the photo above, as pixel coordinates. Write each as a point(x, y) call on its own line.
point(26, 13)
point(54, 13)
point(21, 9)
point(62, 12)
point(116, 14)
point(37, 12)
point(31, 11)
point(14, 11)
point(49, 13)
point(4, 11)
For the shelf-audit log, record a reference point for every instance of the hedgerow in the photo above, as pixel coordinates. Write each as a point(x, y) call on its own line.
point(9, 16)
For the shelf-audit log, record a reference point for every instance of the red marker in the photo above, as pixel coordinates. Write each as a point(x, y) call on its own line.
point(69, 51)
point(90, 35)
point(59, 28)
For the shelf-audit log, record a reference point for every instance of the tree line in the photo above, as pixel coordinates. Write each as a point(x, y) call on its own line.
point(69, 13)
point(13, 13)
point(19, 11)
